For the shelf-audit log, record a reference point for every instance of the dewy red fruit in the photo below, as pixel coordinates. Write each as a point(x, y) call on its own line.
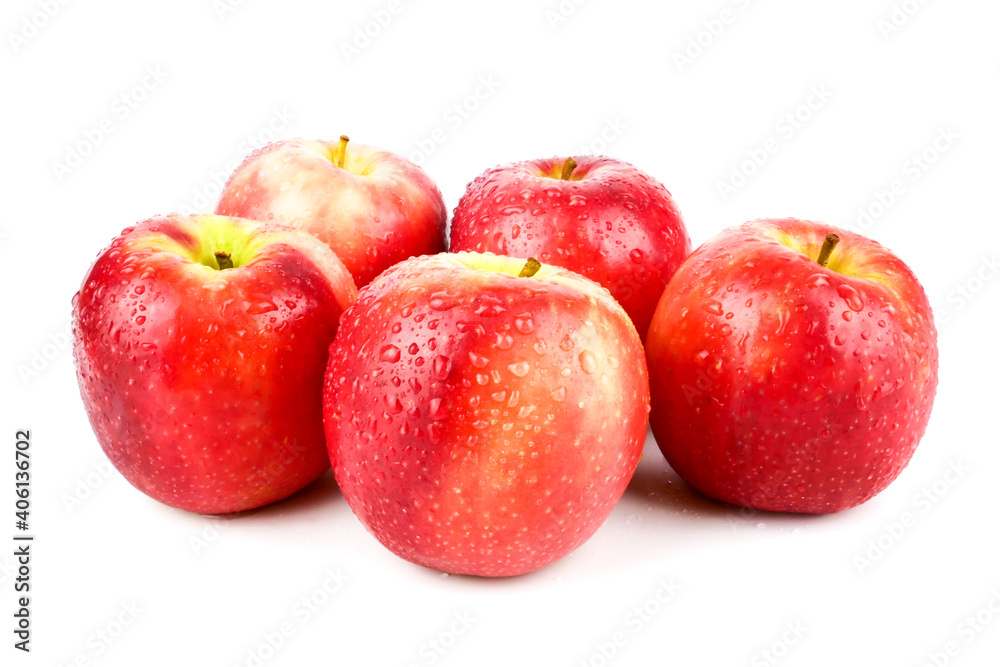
point(484, 414)
point(792, 367)
point(597, 216)
point(200, 345)
point(372, 207)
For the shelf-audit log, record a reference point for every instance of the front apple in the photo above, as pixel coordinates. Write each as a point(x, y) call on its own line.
point(484, 414)
point(372, 207)
point(200, 345)
point(792, 367)
point(597, 216)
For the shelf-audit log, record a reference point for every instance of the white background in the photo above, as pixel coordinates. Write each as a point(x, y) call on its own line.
point(604, 68)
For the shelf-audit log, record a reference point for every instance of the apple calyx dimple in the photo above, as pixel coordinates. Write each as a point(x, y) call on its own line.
point(224, 259)
point(531, 267)
point(829, 243)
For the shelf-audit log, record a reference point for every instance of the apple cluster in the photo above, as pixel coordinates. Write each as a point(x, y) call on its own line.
point(483, 392)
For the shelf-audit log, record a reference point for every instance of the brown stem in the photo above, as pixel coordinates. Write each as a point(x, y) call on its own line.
point(530, 268)
point(567, 170)
point(342, 154)
point(224, 259)
point(829, 243)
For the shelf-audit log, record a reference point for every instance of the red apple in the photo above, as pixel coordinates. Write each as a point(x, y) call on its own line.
point(203, 382)
point(372, 207)
point(786, 380)
point(481, 421)
point(597, 216)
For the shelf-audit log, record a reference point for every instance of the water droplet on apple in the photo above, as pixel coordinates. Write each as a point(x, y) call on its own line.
point(504, 340)
point(478, 360)
point(260, 307)
point(817, 280)
point(389, 353)
point(436, 410)
point(443, 301)
point(520, 368)
point(851, 297)
point(559, 394)
point(712, 306)
point(441, 367)
point(524, 324)
point(588, 362)
point(394, 404)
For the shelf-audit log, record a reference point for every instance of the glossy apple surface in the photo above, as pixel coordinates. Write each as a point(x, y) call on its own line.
point(203, 384)
point(781, 384)
point(372, 207)
point(480, 422)
point(597, 216)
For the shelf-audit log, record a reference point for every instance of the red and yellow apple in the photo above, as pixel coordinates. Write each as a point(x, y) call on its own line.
point(792, 367)
point(372, 207)
point(201, 344)
point(483, 413)
point(597, 216)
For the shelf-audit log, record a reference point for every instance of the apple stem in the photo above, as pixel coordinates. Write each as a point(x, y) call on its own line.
point(224, 259)
point(829, 243)
point(530, 267)
point(342, 155)
point(567, 170)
